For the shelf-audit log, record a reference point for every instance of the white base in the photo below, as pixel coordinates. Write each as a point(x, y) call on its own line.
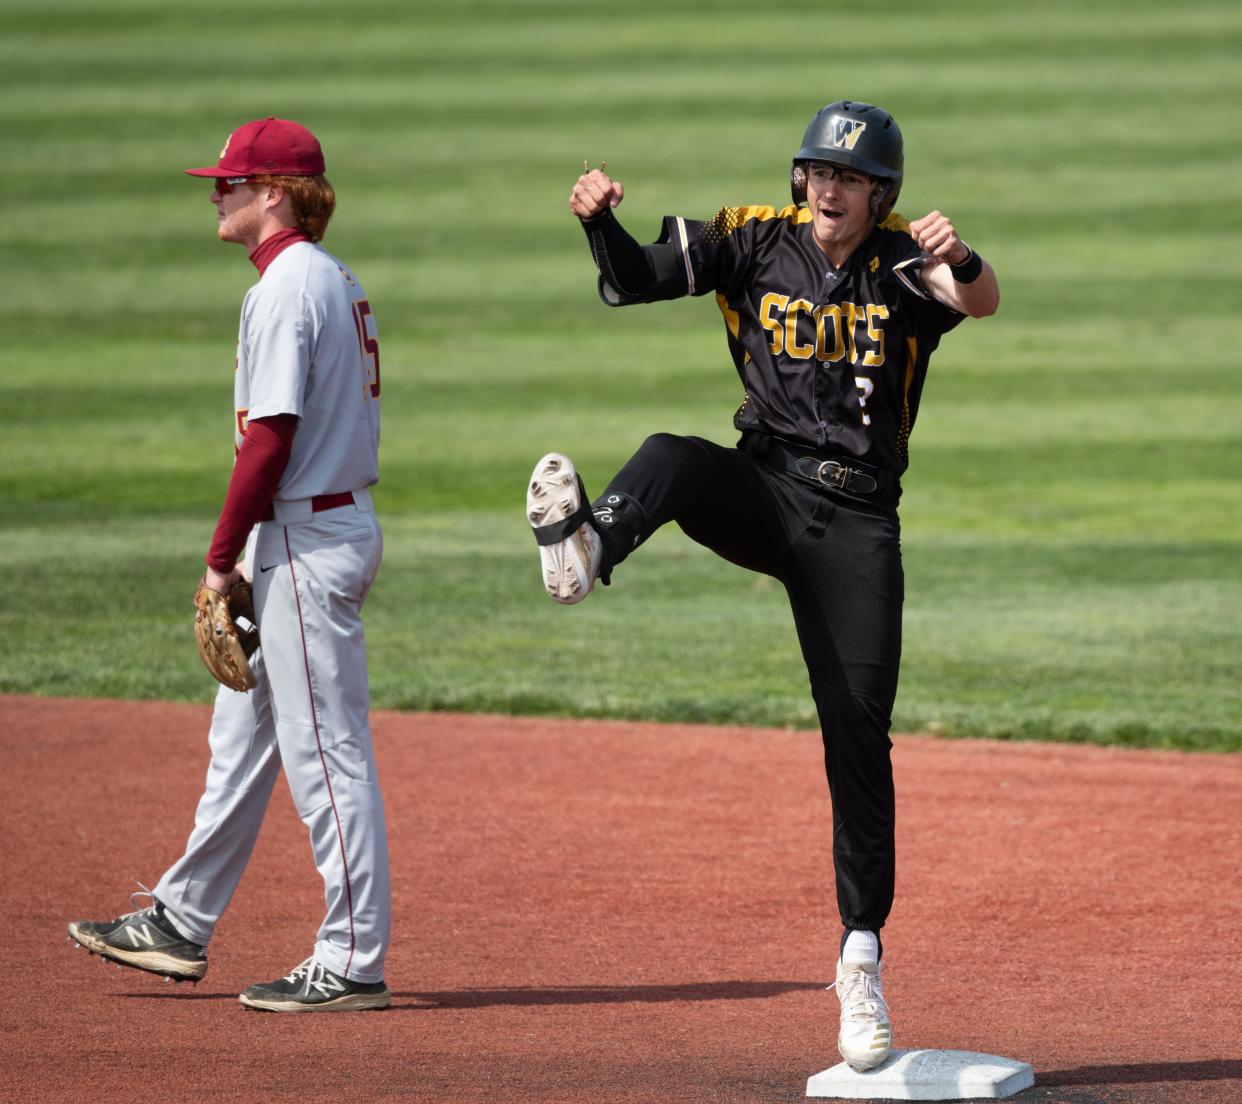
point(926, 1075)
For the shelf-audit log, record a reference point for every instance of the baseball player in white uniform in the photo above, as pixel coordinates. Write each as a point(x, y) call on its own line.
point(306, 390)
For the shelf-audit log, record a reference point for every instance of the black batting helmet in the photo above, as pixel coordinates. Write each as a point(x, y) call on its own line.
point(859, 136)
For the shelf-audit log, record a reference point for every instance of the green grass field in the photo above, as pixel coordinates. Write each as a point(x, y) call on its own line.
point(1072, 521)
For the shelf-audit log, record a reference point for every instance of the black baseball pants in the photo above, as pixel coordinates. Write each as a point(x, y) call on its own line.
point(839, 559)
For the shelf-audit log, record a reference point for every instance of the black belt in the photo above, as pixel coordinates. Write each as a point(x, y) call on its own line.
point(838, 473)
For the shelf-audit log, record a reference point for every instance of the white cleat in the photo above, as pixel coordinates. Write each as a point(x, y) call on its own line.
point(571, 554)
point(866, 1036)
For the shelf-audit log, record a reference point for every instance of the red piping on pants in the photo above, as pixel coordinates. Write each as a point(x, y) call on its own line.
point(340, 835)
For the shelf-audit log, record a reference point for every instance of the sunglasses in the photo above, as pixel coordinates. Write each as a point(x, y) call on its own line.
point(225, 184)
point(852, 181)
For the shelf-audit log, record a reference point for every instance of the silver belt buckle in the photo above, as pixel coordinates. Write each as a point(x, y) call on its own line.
point(833, 474)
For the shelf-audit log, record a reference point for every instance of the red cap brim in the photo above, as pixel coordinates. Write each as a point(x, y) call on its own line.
point(214, 171)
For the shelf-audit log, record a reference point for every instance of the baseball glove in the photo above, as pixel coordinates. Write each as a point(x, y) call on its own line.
point(226, 633)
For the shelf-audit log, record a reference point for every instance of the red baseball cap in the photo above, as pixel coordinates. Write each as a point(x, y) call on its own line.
point(268, 146)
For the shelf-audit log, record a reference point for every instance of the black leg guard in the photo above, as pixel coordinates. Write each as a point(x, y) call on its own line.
point(622, 524)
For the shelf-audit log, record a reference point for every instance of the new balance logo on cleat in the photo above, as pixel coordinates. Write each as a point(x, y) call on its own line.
point(137, 938)
point(328, 985)
point(311, 987)
point(145, 940)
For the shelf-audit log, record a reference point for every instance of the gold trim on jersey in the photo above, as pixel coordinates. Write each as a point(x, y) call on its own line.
point(895, 221)
point(732, 320)
point(903, 433)
point(733, 323)
point(728, 220)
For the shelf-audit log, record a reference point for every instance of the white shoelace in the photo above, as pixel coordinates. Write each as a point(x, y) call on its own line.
point(861, 996)
point(315, 975)
point(141, 891)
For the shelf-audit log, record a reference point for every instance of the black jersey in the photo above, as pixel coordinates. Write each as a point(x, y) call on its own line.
point(834, 359)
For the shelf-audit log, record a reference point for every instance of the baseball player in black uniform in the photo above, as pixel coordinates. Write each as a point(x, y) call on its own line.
point(833, 307)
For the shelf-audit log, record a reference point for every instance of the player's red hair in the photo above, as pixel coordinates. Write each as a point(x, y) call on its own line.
point(313, 200)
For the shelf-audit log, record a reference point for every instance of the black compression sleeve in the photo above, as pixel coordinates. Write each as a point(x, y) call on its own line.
point(629, 272)
point(621, 261)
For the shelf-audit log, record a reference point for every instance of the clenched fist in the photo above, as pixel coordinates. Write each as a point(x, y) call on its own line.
point(935, 234)
point(594, 193)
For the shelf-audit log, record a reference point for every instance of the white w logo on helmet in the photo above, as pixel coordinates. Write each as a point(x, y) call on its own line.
point(846, 131)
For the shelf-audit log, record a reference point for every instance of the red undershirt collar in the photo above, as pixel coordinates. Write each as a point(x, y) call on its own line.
point(273, 247)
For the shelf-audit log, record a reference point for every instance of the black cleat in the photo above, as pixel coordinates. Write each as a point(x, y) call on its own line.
point(312, 988)
point(145, 940)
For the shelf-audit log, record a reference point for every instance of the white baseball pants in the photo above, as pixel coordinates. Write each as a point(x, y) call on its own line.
point(309, 715)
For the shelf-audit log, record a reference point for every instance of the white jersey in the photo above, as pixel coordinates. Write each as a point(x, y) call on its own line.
point(308, 346)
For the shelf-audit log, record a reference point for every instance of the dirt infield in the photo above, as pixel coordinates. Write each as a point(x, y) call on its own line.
point(620, 912)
